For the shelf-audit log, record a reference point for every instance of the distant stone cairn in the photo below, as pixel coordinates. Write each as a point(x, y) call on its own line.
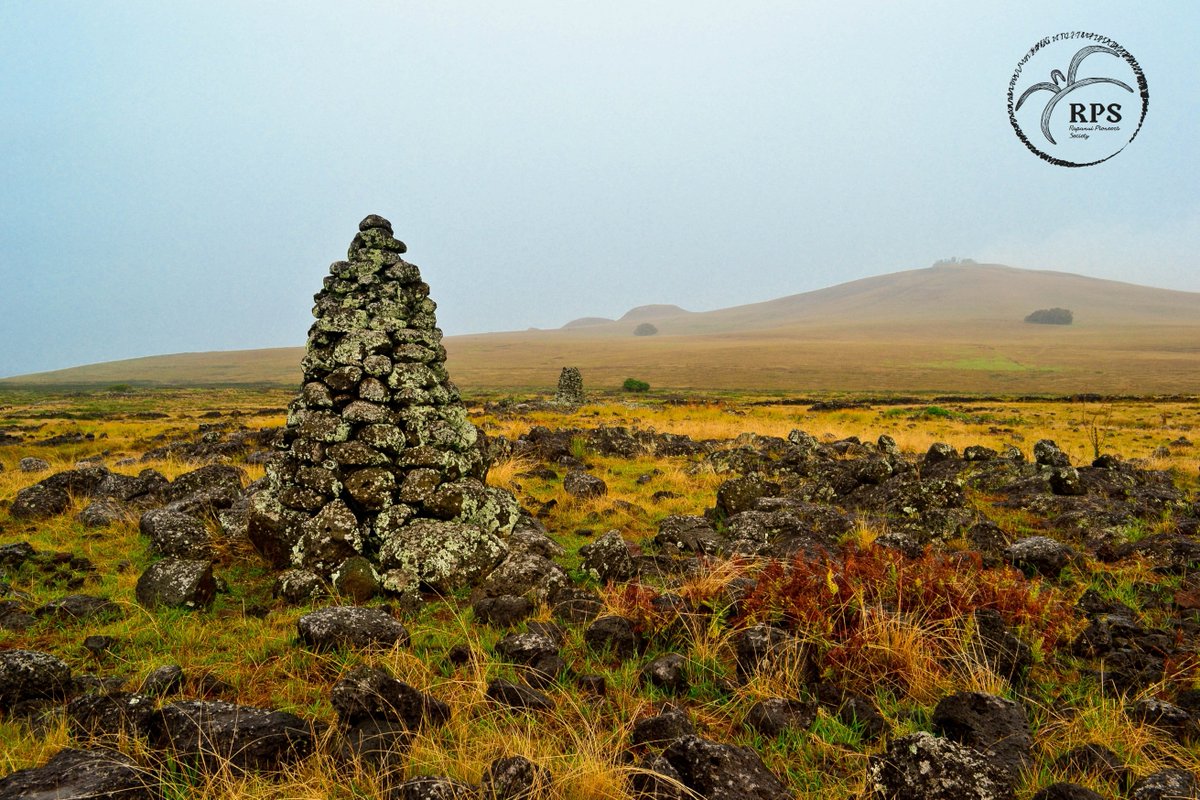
point(570, 387)
point(379, 461)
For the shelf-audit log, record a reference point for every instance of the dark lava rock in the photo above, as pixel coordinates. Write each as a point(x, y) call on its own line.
point(78, 607)
point(668, 673)
point(296, 586)
point(507, 693)
point(740, 494)
point(1165, 716)
point(371, 693)
point(82, 775)
point(1066, 791)
point(205, 490)
point(662, 728)
point(595, 685)
point(854, 710)
point(1094, 760)
point(1040, 555)
point(574, 604)
point(940, 451)
point(502, 612)
point(921, 766)
point(433, 788)
point(613, 635)
point(656, 779)
point(163, 680)
point(176, 534)
point(213, 733)
point(581, 485)
point(351, 626)
point(13, 616)
point(687, 534)
point(15, 554)
point(1167, 784)
point(1066, 481)
point(762, 647)
point(31, 675)
point(381, 744)
point(608, 558)
point(998, 647)
point(356, 579)
point(1047, 454)
point(514, 778)
point(993, 725)
point(177, 583)
point(101, 514)
point(525, 572)
point(39, 501)
point(526, 648)
point(108, 714)
point(775, 715)
point(723, 772)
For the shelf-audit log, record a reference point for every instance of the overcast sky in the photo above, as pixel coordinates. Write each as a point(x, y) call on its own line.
point(178, 176)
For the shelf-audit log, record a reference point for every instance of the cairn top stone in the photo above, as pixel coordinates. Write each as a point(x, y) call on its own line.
point(375, 221)
point(377, 438)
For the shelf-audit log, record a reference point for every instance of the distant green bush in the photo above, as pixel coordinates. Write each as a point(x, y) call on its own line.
point(1051, 316)
point(645, 329)
point(634, 385)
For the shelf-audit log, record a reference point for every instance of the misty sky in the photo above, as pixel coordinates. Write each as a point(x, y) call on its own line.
point(178, 176)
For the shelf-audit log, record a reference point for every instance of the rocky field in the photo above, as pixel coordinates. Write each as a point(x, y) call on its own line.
point(728, 597)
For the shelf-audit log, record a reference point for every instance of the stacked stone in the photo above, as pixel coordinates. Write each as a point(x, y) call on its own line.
point(570, 388)
point(381, 474)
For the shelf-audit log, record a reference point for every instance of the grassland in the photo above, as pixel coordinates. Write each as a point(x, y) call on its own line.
point(244, 648)
point(944, 329)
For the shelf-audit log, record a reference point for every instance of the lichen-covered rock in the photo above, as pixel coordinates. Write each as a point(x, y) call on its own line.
point(351, 626)
point(581, 485)
point(1040, 555)
point(990, 724)
point(507, 693)
point(173, 533)
point(177, 583)
point(214, 734)
point(514, 778)
point(921, 766)
point(30, 675)
point(668, 673)
point(1166, 784)
point(775, 715)
point(40, 500)
point(78, 774)
point(371, 693)
point(428, 787)
point(442, 554)
point(723, 772)
point(32, 464)
point(608, 558)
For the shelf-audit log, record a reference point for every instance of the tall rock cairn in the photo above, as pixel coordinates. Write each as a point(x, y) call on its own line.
point(380, 472)
point(570, 388)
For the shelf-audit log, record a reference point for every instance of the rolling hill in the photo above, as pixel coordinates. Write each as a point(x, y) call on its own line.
point(950, 327)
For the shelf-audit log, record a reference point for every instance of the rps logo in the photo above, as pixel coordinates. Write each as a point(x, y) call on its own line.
point(1093, 110)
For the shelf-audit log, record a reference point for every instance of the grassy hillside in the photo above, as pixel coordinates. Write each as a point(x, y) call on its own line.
point(955, 328)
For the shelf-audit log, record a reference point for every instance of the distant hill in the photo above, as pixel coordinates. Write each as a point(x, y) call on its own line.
point(950, 327)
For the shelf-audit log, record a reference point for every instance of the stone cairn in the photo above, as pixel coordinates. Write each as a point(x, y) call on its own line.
point(380, 482)
point(570, 388)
